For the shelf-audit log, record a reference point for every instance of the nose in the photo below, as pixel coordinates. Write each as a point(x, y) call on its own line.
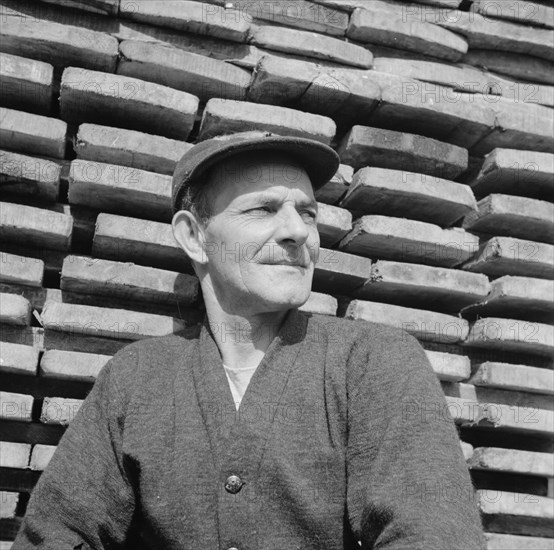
point(293, 227)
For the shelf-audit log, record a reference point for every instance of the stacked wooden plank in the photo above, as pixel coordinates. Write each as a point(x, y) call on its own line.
point(439, 220)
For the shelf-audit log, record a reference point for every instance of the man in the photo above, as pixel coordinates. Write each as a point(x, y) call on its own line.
point(265, 428)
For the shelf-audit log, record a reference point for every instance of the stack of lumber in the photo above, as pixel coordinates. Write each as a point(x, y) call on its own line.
point(440, 219)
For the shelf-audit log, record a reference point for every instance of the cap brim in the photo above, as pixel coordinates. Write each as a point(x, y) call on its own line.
point(319, 160)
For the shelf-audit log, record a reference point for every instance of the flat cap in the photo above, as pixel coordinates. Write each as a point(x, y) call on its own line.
point(320, 161)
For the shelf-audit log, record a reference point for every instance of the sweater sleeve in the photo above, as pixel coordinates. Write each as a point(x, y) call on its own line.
point(408, 483)
point(84, 498)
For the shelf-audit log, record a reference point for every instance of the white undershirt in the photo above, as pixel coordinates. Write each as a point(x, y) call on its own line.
point(238, 381)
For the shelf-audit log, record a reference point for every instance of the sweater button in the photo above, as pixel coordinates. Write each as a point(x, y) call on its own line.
point(233, 485)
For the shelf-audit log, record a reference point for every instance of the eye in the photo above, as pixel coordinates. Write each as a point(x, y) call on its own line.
point(311, 214)
point(260, 209)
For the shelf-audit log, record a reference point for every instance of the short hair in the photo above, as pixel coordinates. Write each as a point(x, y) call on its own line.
point(198, 199)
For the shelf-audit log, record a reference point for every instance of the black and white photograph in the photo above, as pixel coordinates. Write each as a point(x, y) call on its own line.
point(276, 274)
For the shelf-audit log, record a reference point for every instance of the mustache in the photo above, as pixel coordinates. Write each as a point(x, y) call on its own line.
point(279, 255)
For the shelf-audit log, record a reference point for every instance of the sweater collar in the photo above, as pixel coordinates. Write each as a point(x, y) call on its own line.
point(250, 426)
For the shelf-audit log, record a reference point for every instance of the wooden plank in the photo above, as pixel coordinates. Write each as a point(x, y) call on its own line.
point(27, 336)
point(128, 281)
point(344, 94)
point(516, 172)
point(431, 110)
point(382, 27)
point(18, 359)
point(320, 303)
point(382, 237)
point(120, 189)
point(182, 15)
point(129, 148)
point(517, 297)
point(222, 116)
point(36, 226)
point(70, 341)
point(536, 14)
point(109, 7)
point(338, 272)
point(311, 44)
point(41, 455)
point(52, 259)
point(35, 296)
point(448, 366)
point(279, 81)
point(126, 29)
point(39, 11)
point(27, 84)
point(511, 335)
point(8, 504)
point(21, 270)
point(424, 325)
point(139, 241)
point(510, 216)
point(15, 406)
point(364, 146)
point(14, 455)
point(336, 187)
point(498, 541)
point(107, 322)
point(186, 312)
point(420, 5)
point(30, 133)
point(242, 55)
point(467, 449)
point(29, 176)
point(508, 419)
point(59, 44)
point(72, 365)
point(512, 461)
point(459, 76)
point(423, 286)
point(90, 96)
point(516, 513)
point(528, 92)
point(407, 194)
point(299, 14)
point(491, 396)
point(348, 95)
point(389, 5)
point(189, 72)
point(333, 223)
point(520, 378)
point(489, 34)
point(515, 65)
point(14, 309)
point(60, 410)
point(507, 256)
point(524, 126)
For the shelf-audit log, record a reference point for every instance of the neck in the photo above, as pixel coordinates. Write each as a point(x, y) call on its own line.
point(242, 338)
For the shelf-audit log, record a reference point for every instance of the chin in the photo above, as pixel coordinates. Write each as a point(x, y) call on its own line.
point(287, 300)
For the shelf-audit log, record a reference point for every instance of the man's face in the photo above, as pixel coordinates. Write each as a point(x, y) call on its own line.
point(262, 241)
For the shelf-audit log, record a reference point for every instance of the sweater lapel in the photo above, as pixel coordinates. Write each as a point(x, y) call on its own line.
point(241, 435)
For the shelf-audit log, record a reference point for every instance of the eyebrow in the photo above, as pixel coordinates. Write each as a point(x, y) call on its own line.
point(267, 200)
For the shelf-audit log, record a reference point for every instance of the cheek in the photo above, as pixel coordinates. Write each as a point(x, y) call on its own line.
point(313, 244)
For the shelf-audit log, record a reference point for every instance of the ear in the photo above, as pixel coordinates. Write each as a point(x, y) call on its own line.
point(189, 234)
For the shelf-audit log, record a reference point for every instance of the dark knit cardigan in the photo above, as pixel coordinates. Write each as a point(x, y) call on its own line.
point(343, 435)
